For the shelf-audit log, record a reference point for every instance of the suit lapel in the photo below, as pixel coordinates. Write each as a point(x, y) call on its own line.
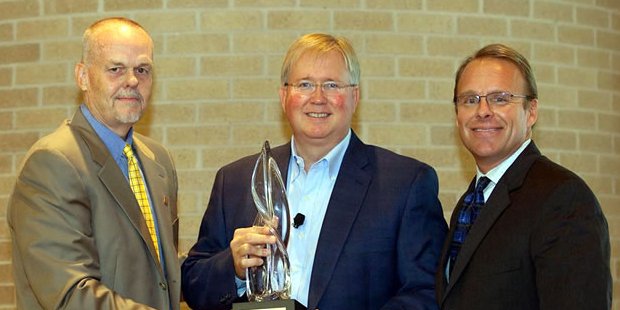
point(110, 175)
point(344, 204)
point(494, 207)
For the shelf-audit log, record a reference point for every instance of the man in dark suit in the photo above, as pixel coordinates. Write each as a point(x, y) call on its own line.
point(535, 237)
point(80, 239)
point(373, 224)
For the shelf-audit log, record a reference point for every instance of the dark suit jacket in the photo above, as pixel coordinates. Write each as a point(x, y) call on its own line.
point(540, 242)
point(378, 246)
point(79, 238)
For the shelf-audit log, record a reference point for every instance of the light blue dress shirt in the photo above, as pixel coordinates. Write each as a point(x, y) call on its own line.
point(309, 193)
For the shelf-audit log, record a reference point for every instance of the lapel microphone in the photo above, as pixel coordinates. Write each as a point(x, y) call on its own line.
point(298, 220)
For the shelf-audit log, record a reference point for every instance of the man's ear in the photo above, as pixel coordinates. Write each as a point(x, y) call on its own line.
point(81, 77)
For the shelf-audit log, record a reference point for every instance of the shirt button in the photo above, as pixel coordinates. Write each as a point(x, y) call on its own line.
point(163, 285)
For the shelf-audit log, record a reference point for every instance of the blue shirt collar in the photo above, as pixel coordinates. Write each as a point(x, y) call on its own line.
point(112, 141)
point(333, 158)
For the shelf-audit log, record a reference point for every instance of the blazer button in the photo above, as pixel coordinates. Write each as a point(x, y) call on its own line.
point(163, 286)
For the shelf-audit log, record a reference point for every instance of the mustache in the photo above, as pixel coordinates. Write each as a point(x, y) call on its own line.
point(133, 94)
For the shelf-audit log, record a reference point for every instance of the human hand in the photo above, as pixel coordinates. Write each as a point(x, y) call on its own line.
point(248, 247)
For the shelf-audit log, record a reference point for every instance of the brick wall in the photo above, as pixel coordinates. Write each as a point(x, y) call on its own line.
point(218, 63)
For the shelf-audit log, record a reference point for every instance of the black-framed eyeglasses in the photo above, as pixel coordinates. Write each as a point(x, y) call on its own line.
point(329, 87)
point(496, 99)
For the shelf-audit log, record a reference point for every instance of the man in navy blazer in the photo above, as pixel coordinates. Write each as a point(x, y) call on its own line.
point(540, 240)
point(374, 226)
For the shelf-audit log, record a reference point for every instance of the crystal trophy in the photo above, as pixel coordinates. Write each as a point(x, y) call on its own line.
point(271, 281)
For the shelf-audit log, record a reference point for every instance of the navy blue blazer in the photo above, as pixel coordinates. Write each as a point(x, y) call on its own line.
point(540, 242)
point(379, 245)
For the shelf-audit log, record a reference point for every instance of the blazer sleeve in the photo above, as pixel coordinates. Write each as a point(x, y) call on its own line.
point(208, 273)
point(571, 250)
point(53, 244)
point(422, 233)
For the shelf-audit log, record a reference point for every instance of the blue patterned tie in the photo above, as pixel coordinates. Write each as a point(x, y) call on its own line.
point(472, 204)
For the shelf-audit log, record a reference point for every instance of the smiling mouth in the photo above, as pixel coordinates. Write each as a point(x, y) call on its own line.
point(317, 115)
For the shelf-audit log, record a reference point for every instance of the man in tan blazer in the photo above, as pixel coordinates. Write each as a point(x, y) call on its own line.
point(80, 239)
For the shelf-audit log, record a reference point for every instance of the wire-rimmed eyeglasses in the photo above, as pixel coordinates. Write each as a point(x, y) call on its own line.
point(495, 99)
point(329, 87)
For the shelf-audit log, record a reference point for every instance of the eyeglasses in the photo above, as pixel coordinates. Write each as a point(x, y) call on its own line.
point(495, 99)
point(329, 88)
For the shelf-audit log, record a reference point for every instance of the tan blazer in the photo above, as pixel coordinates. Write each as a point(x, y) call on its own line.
point(79, 239)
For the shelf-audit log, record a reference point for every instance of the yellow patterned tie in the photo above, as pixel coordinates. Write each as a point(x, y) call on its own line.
point(139, 190)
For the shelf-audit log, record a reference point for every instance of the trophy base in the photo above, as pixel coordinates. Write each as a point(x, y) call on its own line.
point(286, 304)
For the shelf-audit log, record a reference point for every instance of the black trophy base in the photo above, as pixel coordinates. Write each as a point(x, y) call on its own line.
point(287, 304)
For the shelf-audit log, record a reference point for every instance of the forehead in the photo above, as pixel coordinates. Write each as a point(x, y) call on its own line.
point(489, 74)
point(122, 41)
point(327, 65)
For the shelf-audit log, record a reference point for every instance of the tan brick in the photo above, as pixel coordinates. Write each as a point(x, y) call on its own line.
point(395, 89)
point(394, 44)
point(197, 89)
point(15, 9)
point(168, 21)
point(6, 274)
point(199, 4)
point(451, 46)
point(609, 123)
point(176, 113)
point(265, 3)
point(594, 17)
point(363, 20)
point(610, 165)
point(18, 97)
point(247, 42)
point(610, 4)
point(553, 11)
point(575, 35)
point(576, 119)
point(596, 142)
point(43, 29)
point(218, 157)
point(193, 180)
point(6, 161)
point(183, 44)
point(61, 95)
point(580, 163)
point(550, 139)
point(426, 113)
point(7, 294)
point(544, 73)
point(398, 5)
point(300, 20)
point(547, 117)
point(532, 29)
point(438, 158)
point(255, 88)
point(398, 134)
point(40, 118)
point(557, 54)
point(62, 50)
point(331, 4)
point(185, 158)
point(19, 53)
point(53, 7)
point(6, 76)
point(188, 202)
point(580, 77)
point(256, 134)
point(424, 67)
point(125, 5)
point(474, 26)
point(33, 74)
point(463, 6)
point(601, 186)
point(370, 112)
point(505, 7)
point(424, 23)
point(560, 96)
point(608, 81)
point(378, 66)
point(180, 66)
point(7, 32)
point(597, 100)
point(587, 57)
point(608, 40)
point(441, 91)
point(198, 135)
point(231, 112)
point(444, 136)
point(241, 65)
point(229, 20)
